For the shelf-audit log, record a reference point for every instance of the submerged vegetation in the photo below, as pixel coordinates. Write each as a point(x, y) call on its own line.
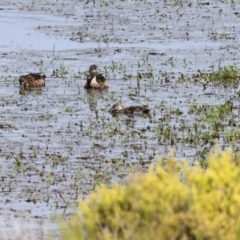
point(173, 200)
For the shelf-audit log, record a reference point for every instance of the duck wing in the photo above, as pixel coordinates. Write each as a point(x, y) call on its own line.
point(96, 81)
point(100, 78)
point(31, 77)
point(35, 76)
point(137, 109)
point(32, 80)
point(89, 79)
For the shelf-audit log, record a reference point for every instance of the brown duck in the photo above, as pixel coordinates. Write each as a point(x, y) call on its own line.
point(32, 80)
point(95, 80)
point(118, 108)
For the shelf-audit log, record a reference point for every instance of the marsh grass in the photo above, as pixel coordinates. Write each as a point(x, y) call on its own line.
point(226, 76)
point(212, 113)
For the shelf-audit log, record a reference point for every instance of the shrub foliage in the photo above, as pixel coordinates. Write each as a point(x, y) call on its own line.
point(173, 200)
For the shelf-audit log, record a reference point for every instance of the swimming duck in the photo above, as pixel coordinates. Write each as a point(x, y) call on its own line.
point(95, 80)
point(118, 108)
point(32, 80)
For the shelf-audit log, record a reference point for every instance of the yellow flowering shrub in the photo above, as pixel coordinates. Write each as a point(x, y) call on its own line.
point(173, 200)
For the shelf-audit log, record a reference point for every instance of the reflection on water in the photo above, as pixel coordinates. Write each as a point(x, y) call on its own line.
point(130, 115)
point(93, 95)
point(32, 91)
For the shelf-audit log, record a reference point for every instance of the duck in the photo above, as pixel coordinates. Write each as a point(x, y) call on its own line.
point(118, 108)
point(95, 79)
point(32, 80)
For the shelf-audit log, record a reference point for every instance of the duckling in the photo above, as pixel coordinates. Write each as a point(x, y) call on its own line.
point(118, 108)
point(32, 80)
point(95, 80)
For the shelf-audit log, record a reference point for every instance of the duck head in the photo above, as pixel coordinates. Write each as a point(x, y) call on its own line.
point(93, 69)
point(22, 80)
point(116, 107)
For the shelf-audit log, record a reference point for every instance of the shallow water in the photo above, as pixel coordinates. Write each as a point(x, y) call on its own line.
point(20, 32)
point(58, 144)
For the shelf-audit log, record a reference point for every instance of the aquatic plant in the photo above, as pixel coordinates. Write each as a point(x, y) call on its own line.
point(228, 75)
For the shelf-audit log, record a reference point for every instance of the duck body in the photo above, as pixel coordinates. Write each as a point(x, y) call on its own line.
point(118, 108)
point(95, 80)
point(32, 80)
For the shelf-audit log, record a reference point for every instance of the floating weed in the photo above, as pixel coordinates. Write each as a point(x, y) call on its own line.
point(211, 114)
point(63, 70)
point(68, 110)
point(204, 157)
point(227, 76)
point(54, 57)
point(44, 117)
point(38, 63)
point(116, 163)
point(170, 62)
point(127, 77)
point(18, 163)
point(113, 67)
point(50, 180)
point(57, 159)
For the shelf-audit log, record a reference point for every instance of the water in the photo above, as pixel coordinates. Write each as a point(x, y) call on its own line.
point(19, 31)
